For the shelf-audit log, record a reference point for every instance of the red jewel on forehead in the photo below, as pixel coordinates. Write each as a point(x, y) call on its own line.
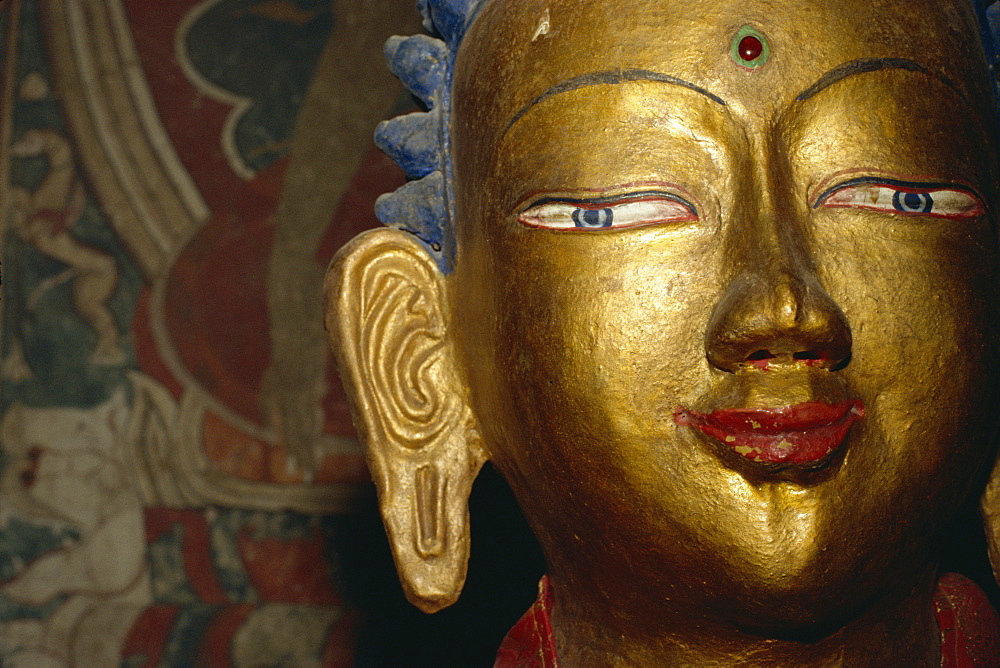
point(749, 48)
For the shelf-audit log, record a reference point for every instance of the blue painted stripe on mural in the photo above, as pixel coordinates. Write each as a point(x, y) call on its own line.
point(229, 568)
point(186, 635)
point(165, 556)
point(4, 13)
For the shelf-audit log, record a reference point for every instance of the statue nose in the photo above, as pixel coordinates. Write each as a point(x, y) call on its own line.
point(777, 314)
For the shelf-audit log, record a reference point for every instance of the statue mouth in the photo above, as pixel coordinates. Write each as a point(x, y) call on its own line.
point(805, 433)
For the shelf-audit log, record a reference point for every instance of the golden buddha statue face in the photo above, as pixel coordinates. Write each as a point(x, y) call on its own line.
point(722, 315)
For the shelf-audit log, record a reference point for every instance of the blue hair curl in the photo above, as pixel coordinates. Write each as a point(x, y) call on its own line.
point(421, 142)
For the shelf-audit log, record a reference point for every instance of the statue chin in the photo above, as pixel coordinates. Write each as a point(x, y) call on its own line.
point(715, 293)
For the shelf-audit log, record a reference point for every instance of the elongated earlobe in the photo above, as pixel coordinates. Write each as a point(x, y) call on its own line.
point(387, 319)
point(989, 508)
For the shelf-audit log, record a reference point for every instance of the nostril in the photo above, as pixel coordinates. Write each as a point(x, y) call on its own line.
point(758, 355)
point(842, 363)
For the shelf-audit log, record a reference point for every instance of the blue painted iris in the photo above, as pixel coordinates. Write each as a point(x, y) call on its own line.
point(593, 217)
point(912, 202)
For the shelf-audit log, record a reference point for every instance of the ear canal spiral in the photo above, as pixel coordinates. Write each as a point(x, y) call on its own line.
point(402, 354)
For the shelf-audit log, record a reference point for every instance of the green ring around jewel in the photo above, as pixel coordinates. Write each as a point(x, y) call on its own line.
point(734, 48)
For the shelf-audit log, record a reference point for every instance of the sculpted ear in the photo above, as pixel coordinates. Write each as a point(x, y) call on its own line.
point(989, 508)
point(387, 319)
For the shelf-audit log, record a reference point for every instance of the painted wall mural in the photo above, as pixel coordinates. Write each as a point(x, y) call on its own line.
point(177, 464)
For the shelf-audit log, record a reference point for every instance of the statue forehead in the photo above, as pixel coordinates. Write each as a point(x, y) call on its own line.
point(494, 57)
point(516, 52)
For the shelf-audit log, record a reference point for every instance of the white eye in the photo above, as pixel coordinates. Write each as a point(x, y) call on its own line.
point(609, 213)
point(912, 199)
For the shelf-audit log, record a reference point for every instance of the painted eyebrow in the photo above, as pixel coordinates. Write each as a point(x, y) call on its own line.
point(610, 77)
point(865, 65)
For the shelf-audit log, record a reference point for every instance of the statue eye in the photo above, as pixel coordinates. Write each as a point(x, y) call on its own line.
point(911, 199)
point(636, 210)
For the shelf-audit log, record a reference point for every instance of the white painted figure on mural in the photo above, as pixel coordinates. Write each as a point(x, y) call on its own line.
point(43, 218)
point(67, 469)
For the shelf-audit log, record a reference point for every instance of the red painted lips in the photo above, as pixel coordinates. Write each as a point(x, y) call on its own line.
point(800, 434)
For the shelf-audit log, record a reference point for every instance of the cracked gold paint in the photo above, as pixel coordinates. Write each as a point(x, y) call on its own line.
point(563, 356)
